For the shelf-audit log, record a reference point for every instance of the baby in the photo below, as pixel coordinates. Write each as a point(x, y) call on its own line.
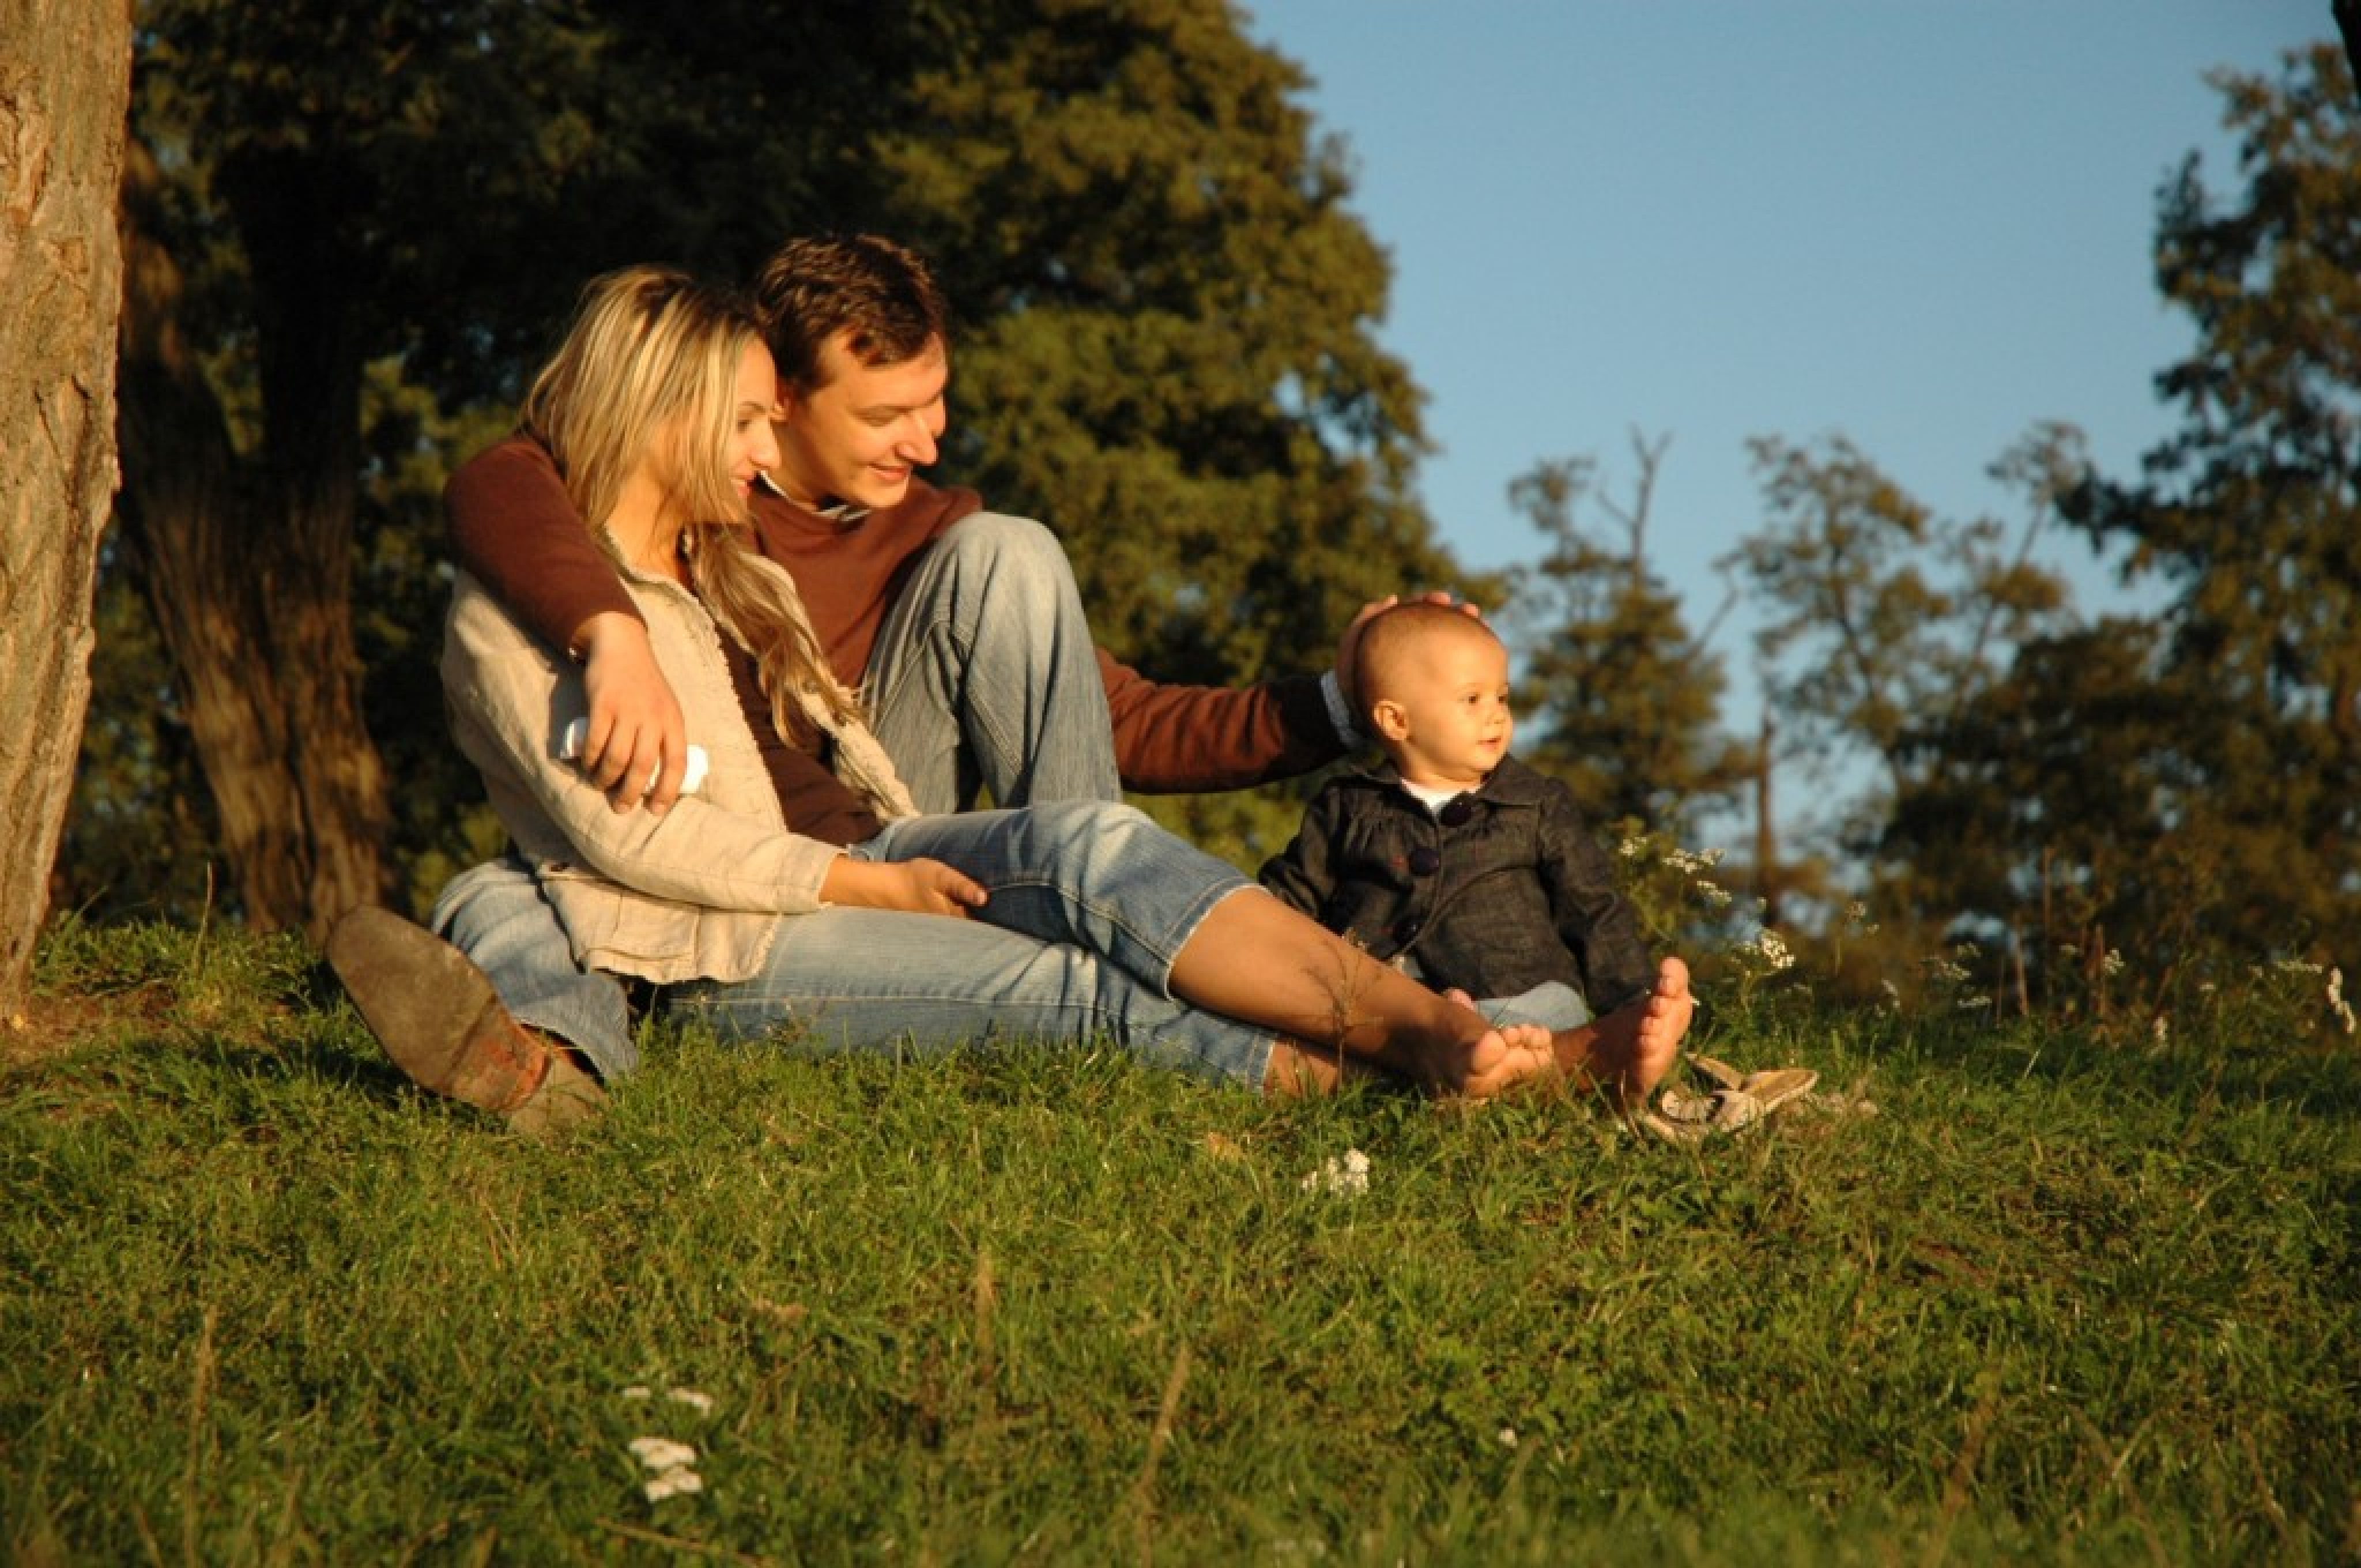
point(1454, 860)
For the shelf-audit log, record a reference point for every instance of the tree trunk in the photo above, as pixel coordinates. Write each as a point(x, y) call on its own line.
point(180, 501)
point(65, 85)
point(291, 209)
point(249, 570)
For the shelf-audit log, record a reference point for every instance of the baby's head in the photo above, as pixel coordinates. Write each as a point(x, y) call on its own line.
point(1434, 686)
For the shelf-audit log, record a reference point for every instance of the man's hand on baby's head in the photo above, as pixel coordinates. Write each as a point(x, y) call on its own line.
point(1348, 645)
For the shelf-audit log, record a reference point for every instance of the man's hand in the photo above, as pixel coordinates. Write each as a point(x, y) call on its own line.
point(914, 887)
point(636, 727)
point(1348, 647)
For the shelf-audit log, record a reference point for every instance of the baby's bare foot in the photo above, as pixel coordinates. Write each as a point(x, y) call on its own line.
point(1627, 1052)
point(1508, 1056)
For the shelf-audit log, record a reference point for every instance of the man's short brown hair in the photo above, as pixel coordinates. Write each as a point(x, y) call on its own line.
point(817, 286)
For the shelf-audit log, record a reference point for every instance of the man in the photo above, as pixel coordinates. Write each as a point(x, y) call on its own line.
point(963, 627)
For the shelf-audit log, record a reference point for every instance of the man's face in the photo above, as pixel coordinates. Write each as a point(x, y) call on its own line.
point(866, 430)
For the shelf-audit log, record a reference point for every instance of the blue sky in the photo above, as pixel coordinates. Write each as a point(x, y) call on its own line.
point(1923, 225)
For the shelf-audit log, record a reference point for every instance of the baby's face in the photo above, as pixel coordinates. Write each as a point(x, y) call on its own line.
point(1454, 697)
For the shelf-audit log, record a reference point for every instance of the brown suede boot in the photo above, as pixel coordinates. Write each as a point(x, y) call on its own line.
point(438, 1017)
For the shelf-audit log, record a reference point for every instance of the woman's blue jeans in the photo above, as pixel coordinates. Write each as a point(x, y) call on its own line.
point(1089, 903)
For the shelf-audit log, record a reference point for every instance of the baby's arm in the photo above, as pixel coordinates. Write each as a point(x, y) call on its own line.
point(1304, 874)
point(1593, 918)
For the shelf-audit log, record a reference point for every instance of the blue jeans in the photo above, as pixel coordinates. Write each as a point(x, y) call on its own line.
point(985, 676)
point(1553, 1005)
point(1089, 903)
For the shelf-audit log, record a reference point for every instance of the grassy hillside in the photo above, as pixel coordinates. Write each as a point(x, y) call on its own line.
point(2061, 1299)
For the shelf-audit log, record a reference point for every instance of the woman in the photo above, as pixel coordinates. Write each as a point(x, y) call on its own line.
point(798, 887)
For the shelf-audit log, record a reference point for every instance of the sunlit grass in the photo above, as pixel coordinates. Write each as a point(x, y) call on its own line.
point(2062, 1299)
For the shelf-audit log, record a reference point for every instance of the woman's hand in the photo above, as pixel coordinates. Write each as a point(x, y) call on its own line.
point(914, 887)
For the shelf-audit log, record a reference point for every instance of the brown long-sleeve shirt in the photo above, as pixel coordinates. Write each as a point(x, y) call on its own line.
point(514, 527)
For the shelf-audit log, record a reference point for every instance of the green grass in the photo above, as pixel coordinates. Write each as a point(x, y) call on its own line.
point(2061, 1300)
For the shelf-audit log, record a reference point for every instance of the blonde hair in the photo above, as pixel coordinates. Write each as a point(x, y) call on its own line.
point(649, 369)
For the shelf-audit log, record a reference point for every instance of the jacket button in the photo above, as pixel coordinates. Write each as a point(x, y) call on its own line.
point(1404, 930)
point(1425, 860)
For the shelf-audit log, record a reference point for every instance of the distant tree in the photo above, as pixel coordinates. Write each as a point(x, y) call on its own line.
point(64, 79)
point(2060, 816)
point(2250, 513)
point(1619, 699)
point(1880, 620)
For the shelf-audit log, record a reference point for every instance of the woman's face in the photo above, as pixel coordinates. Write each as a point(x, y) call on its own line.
point(753, 448)
point(677, 455)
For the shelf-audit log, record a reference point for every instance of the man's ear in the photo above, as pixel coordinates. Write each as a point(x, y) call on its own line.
point(1391, 719)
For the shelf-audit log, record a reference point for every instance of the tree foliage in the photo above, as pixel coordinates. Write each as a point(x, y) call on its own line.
point(1879, 619)
point(1618, 698)
point(2250, 513)
point(1167, 350)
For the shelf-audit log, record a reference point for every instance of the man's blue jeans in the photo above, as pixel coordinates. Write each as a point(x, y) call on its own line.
point(985, 677)
point(1089, 904)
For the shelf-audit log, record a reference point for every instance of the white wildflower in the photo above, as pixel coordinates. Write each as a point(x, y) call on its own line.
point(674, 1483)
point(1776, 954)
point(1970, 1002)
point(2336, 1002)
point(1507, 1437)
point(1714, 895)
point(639, 1391)
point(1945, 969)
point(2161, 1030)
point(2112, 964)
point(672, 1465)
point(701, 1403)
point(662, 1453)
point(1346, 1175)
point(1633, 849)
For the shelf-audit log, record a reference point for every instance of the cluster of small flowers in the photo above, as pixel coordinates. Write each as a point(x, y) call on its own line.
point(1346, 1175)
point(1947, 969)
point(1776, 954)
point(671, 1464)
point(2336, 1002)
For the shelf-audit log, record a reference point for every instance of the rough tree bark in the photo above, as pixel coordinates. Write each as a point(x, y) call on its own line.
point(65, 84)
